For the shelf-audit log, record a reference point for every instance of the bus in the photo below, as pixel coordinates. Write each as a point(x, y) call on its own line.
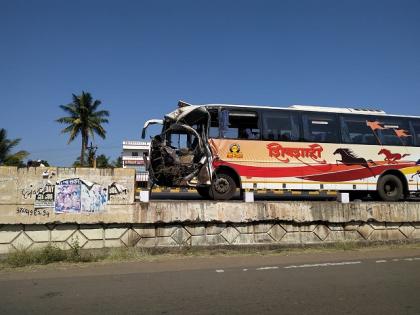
point(219, 148)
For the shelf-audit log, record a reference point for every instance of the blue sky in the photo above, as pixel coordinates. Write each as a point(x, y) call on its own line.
point(141, 57)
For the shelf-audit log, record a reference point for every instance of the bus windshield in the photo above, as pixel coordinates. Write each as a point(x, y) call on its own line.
point(180, 153)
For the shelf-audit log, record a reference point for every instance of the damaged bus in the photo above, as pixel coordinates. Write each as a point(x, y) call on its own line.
point(218, 148)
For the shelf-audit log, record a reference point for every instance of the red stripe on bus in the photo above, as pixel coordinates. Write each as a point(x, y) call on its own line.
point(318, 172)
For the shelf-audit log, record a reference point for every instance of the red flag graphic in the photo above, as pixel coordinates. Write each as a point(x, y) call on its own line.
point(374, 125)
point(401, 133)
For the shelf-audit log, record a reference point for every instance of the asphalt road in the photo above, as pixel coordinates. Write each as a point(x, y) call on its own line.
point(345, 282)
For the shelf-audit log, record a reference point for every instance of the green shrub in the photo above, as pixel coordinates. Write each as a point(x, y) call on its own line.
point(24, 257)
point(50, 254)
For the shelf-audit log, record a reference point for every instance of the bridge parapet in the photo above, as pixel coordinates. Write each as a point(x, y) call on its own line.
point(106, 216)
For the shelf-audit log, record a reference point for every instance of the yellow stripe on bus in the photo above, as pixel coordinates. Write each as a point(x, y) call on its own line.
point(410, 170)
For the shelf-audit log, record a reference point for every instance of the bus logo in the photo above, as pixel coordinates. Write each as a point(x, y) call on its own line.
point(283, 154)
point(235, 151)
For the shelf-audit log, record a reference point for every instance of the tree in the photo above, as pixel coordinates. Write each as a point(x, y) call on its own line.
point(84, 119)
point(102, 161)
point(118, 162)
point(77, 163)
point(37, 163)
point(6, 146)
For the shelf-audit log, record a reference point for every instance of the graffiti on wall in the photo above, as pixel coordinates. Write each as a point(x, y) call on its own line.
point(117, 193)
point(34, 212)
point(30, 192)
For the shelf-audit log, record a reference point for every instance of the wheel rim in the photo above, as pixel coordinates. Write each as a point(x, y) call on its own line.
point(221, 185)
point(390, 188)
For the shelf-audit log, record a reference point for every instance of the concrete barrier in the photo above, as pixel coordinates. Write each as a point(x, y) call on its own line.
point(31, 216)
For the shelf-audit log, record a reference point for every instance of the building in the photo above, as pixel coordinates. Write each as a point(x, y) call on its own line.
point(132, 157)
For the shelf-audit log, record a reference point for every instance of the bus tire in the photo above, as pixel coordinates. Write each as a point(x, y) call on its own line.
point(223, 187)
point(390, 188)
point(204, 191)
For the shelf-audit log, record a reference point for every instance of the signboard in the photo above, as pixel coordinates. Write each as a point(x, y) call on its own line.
point(45, 197)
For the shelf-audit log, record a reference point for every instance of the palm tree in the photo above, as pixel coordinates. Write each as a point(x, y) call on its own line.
point(84, 119)
point(6, 146)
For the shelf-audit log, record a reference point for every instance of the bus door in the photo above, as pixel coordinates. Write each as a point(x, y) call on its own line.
point(240, 146)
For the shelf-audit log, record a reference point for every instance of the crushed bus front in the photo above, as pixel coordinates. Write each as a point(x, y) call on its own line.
point(180, 155)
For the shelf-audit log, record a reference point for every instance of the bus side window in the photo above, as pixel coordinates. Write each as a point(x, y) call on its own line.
point(354, 130)
point(214, 124)
point(239, 125)
point(320, 127)
point(395, 131)
point(415, 131)
point(280, 126)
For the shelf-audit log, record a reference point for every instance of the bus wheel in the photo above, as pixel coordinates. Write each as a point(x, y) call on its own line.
point(203, 192)
point(390, 188)
point(223, 187)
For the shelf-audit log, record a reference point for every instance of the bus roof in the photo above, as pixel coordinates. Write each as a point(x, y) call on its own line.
point(313, 108)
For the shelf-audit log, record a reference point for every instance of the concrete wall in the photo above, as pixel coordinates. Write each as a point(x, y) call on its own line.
point(25, 223)
point(44, 188)
point(90, 236)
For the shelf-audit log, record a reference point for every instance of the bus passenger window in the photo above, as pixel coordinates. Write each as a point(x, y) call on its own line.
point(280, 126)
point(214, 124)
point(239, 125)
point(355, 130)
point(320, 128)
point(415, 129)
point(395, 131)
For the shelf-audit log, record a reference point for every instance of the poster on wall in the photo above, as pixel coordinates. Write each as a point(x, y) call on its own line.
point(45, 197)
point(76, 196)
point(68, 196)
point(93, 197)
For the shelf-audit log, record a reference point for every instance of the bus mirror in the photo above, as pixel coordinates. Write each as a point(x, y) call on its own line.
point(148, 123)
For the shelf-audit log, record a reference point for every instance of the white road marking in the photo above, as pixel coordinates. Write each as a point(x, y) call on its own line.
point(324, 264)
point(328, 264)
point(267, 268)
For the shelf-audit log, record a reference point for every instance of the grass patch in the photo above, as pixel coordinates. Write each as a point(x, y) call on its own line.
point(131, 253)
point(46, 255)
point(53, 254)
